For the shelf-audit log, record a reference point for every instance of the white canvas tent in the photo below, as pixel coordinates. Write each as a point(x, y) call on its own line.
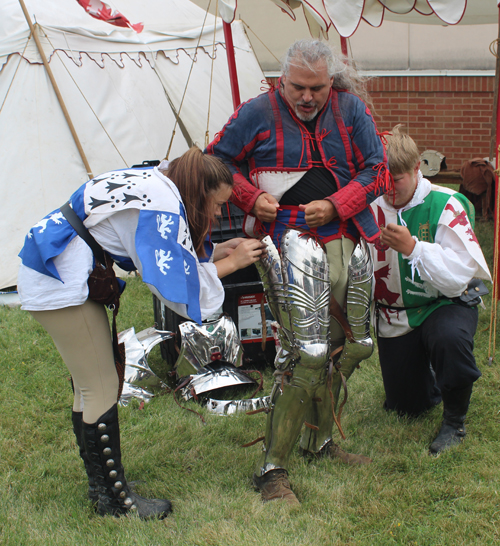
point(345, 15)
point(272, 30)
point(120, 88)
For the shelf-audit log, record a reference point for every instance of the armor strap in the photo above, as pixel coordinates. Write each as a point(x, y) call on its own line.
point(330, 391)
point(338, 314)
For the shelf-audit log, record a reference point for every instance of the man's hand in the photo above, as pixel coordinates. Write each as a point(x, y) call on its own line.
point(319, 213)
point(265, 207)
point(398, 238)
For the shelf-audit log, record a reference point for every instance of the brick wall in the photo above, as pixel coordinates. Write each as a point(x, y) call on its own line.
point(450, 114)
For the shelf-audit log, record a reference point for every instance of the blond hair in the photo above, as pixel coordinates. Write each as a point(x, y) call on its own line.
point(402, 152)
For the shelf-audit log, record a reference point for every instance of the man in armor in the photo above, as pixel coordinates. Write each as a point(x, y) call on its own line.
point(315, 162)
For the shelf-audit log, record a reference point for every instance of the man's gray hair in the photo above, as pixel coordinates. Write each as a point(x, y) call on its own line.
point(307, 53)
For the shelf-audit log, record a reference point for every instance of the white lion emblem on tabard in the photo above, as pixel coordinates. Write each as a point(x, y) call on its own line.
point(163, 224)
point(162, 259)
point(56, 218)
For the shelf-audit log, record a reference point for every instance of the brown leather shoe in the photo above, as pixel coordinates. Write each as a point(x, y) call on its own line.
point(336, 452)
point(274, 485)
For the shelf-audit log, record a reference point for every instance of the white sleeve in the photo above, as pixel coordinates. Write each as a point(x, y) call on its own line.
point(211, 290)
point(116, 234)
point(211, 293)
point(445, 264)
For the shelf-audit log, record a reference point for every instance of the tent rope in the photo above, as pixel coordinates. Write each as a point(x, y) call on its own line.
point(207, 133)
point(85, 98)
point(494, 48)
point(187, 81)
point(15, 73)
point(253, 32)
point(494, 291)
point(56, 89)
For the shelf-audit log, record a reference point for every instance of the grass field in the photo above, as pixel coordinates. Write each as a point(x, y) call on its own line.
point(405, 497)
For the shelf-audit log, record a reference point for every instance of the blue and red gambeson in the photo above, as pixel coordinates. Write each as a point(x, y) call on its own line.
point(266, 135)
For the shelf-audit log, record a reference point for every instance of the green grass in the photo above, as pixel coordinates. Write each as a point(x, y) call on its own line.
point(405, 497)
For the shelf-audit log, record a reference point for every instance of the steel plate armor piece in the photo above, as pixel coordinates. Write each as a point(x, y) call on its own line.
point(140, 381)
point(297, 286)
point(359, 293)
point(229, 407)
point(209, 357)
point(199, 343)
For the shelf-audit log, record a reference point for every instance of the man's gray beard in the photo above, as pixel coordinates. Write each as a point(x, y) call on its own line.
point(305, 117)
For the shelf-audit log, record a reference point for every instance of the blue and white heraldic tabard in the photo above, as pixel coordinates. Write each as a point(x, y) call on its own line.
point(136, 215)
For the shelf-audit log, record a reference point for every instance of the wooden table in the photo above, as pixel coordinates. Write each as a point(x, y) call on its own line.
point(446, 177)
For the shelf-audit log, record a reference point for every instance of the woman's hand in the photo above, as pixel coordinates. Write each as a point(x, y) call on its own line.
point(239, 254)
point(225, 249)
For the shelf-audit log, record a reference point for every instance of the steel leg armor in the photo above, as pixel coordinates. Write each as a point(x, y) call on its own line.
point(359, 293)
point(297, 288)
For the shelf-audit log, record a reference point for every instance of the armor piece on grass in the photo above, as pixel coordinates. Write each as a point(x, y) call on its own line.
point(210, 355)
point(297, 286)
point(140, 381)
point(206, 343)
point(202, 349)
point(214, 376)
point(228, 407)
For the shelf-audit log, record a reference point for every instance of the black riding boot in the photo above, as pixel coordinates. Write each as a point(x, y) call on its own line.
point(102, 445)
point(93, 492)
point(455, 406)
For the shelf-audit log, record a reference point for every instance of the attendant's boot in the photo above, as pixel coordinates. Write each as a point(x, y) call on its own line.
point(93, 492)
point(102, 446)
point(455, 406)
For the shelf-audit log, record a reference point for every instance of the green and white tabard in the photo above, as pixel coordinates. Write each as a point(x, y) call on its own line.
point(442, 222)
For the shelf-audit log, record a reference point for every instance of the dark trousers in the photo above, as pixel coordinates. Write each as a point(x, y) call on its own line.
point(437, 356)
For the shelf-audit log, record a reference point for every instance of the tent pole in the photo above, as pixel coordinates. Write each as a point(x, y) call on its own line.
point(495, 153)
point(56, 89)
point(496, 121)
point(233, 76)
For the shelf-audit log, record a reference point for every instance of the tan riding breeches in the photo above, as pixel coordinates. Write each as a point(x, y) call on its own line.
point(83, 338)
point(338, 252)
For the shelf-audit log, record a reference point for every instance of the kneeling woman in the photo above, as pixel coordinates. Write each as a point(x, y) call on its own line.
point(155, 221)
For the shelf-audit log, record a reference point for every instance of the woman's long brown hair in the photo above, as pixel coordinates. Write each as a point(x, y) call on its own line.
point(197, 176)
